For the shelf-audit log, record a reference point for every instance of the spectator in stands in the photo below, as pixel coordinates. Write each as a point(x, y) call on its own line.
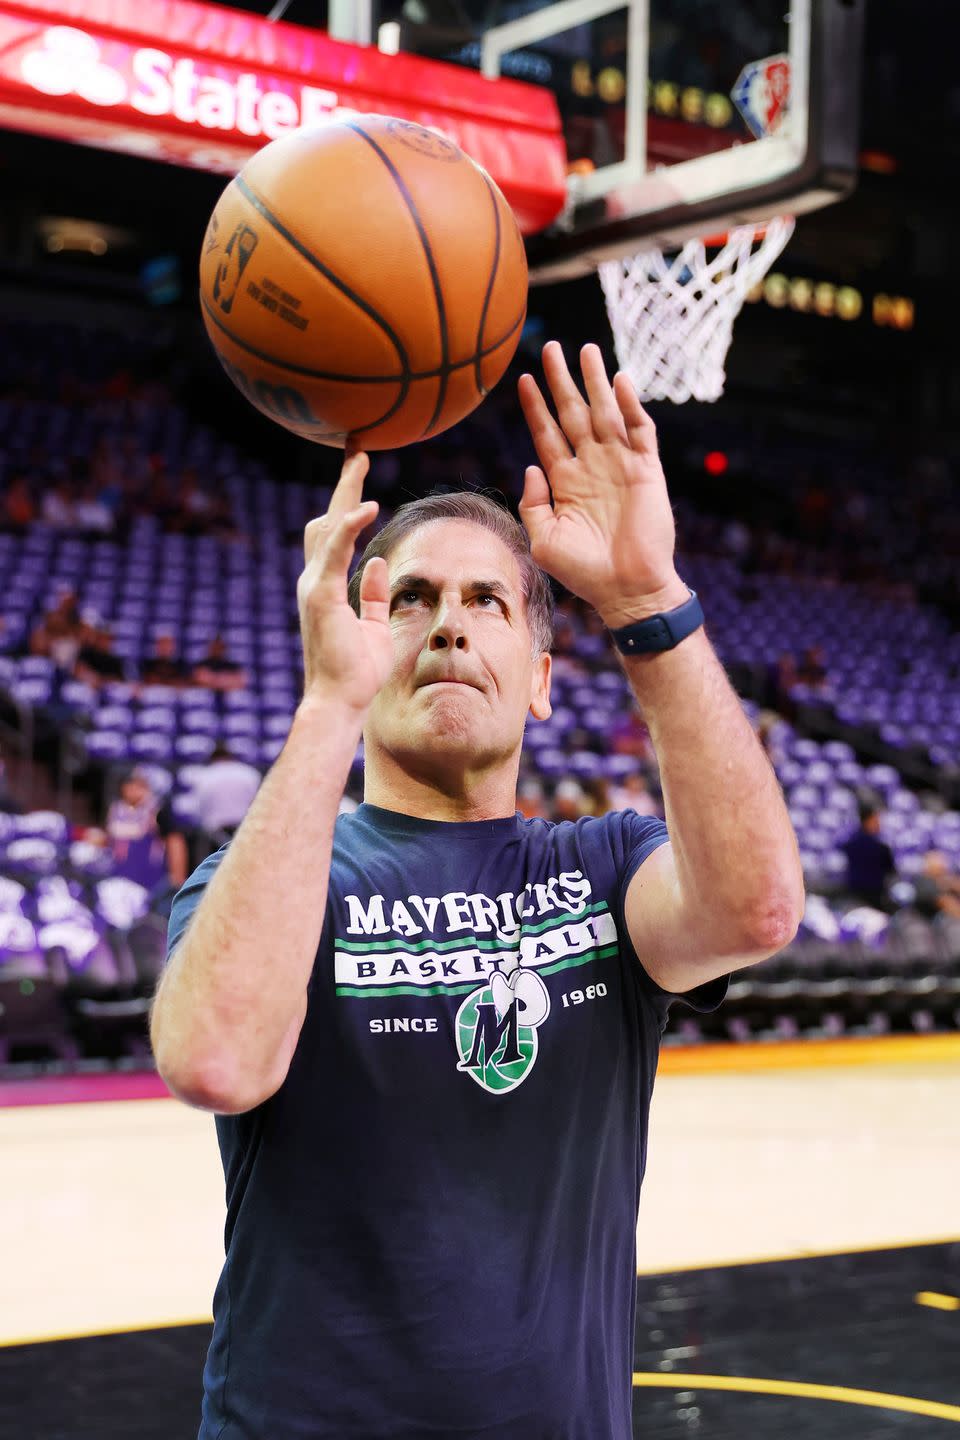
point(224, 792)
point(597, 795)
point(217, 672)
point(870, 861)
point(164, 667)
point(94, 515)
point(142, 834)
point(58, 507)
point(96, 663)
point(17, 506)
point(937, 888)
point(531, 801)
point(633, 793)
point(569, 801)
point(193, 503)
point(785, 677)
point(812, 670)
point(60, 634)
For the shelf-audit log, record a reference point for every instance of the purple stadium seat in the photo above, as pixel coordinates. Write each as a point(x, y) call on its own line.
point(43, 825)
point(153, 746)
point(194, 747)
point(31, 857)
point(106, 745)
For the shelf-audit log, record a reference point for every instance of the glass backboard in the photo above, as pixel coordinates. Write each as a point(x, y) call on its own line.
point(681, 117)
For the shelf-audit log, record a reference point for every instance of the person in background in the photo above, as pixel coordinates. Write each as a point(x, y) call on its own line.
point(96, 662)
point(812, 670)
point(569, 801)
point(937, 888)
point(164, 667)
point(60, 634)
point(147, 847)
point(870, 861)
point(633, 793)
point(58, 507)
point(597, 795)
point(216, 671)
point(94, 515)
point(531, 801)
point(17, 506)
point(140, 830)
point(224, 792)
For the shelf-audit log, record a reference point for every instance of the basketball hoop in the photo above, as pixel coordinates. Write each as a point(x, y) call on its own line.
point(672, 319)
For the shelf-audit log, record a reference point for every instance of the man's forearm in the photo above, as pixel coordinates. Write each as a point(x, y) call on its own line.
point(235, 988)
point(736, 853)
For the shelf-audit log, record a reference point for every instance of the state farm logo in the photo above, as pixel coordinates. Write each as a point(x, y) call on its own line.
point(68, 63)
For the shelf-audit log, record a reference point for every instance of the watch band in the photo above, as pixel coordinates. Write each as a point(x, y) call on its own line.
point(660, 632)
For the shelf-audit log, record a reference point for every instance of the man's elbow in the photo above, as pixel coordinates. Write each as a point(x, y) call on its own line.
point(772, 926)
point(209, 1088)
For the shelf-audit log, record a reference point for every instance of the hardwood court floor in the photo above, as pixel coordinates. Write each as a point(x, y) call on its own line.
point(111, 1217)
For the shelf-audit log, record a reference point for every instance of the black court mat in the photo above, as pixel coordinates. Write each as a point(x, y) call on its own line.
point(862, 1357)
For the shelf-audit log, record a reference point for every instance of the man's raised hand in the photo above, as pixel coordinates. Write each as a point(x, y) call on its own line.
point(597, 512)
point(345, 657)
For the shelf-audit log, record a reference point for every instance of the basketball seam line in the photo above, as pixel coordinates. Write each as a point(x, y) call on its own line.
point(409, 376)
point(478, 377)
point(444, 370)
point(331, 275)
point(262, 208)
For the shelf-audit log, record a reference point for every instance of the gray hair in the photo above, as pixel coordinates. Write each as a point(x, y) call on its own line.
point(480, 510)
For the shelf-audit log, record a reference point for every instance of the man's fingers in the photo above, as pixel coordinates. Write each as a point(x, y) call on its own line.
point(548, 439)
point(572, 410)
point(336, 542)
point(346, 496)
point(641, 431)
point(375, 590)
point(608, 423)
point(536, 510)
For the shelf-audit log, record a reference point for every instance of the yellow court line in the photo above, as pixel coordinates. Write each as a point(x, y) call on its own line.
point(878, 1399)
point(725, 1264)
point(935, 1301)
point(105, 1331)
point(808, 1054)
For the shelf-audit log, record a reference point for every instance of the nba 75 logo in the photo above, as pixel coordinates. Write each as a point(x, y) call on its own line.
point(496, 1029)
point(237, 252)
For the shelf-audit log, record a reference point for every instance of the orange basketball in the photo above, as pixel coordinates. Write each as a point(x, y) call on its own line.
point(363, 279)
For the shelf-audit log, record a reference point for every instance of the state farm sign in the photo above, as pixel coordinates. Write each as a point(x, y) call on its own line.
point(68, 61)
point(204, 85)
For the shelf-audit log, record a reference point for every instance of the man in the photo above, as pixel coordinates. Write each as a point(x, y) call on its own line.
point(224, 791)
point(430, 1031)
point(164, 666)
point(96, 664)
point(870, 861)
point(217, 671)
point(937, 888)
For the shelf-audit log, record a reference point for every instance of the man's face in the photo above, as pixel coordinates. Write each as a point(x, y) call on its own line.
point(464, 675)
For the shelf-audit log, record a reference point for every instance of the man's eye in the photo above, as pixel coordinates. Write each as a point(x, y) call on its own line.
point(487, 600)
point(406, 597)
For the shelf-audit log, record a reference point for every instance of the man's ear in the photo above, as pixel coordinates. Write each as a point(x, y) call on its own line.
point(540, 707)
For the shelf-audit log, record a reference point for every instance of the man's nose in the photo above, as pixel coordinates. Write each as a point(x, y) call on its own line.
point(449, 631)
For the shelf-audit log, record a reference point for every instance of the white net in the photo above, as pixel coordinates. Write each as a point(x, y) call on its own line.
point(672, 319)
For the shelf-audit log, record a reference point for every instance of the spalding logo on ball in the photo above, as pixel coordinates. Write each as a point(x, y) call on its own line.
point(364, 279)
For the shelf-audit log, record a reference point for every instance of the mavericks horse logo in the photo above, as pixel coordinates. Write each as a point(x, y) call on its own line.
point(496, 1029)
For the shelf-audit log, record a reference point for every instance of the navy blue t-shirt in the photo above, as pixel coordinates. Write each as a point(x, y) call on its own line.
point(431, 1226)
